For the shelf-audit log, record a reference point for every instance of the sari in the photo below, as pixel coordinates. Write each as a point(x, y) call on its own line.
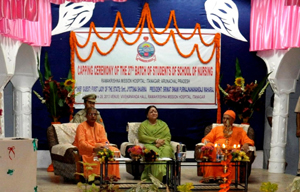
point(148, 134)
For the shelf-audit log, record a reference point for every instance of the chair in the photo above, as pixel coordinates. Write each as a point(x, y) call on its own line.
point(64, 155)
point(132, 129)
point(251, 153)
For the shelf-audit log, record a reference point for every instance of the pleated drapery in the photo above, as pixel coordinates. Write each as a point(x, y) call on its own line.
point(77, 1)
point(274, 24)
point(30, 21)
point(33, 30)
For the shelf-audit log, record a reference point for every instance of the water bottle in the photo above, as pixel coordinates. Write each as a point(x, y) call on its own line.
point(106, 145)
point(179, 149)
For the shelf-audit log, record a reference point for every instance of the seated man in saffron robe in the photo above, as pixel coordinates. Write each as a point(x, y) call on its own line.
point(91, 138)
point(219, 135)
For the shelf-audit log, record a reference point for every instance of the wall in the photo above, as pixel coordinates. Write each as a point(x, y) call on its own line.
point(292, 147)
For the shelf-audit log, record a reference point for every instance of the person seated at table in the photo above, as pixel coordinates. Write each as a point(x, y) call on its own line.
point(219, 135)
point(155, 134)
point(91, 138)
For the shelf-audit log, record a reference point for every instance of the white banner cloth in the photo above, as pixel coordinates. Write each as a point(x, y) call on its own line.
point(145, 73)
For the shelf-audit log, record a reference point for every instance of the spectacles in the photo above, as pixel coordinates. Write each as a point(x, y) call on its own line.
point(92, 114)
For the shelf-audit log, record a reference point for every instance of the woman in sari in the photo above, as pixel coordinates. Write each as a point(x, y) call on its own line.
point(155, 134)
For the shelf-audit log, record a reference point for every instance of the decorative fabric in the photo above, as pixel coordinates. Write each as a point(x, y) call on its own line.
point(274, 25)
point(19, 9)
point(147, 135)
point(66, 132)
point(30, 21)
point(132, 129)
point(65, 135)
point(86, 139)
point(77, 1)
point(61, 149)
point(27, 30)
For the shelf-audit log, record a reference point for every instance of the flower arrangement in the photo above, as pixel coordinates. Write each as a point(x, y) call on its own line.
point(150, 155)
point(59, 97)
point(105, 154)
point(243, 97)
point(238, 155)
point(136, 150)
point(207, 148)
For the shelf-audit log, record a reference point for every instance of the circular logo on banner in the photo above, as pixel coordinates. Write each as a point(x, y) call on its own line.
point(146, 51)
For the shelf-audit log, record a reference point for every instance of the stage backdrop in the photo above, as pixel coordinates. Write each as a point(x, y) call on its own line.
point(187, 125)
point(145, 73)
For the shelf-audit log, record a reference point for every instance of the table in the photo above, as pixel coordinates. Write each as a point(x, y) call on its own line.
point(18, 164)
point(135, 165)
point(234, 186)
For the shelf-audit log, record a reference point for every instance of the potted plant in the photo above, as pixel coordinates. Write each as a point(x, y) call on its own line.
point(243, 98)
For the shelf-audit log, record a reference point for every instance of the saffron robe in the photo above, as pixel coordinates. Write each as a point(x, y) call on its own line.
point(86, 139)
point(216, 135)
point(148, 134)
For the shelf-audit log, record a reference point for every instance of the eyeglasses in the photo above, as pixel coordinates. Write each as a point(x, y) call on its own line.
point(92, 114)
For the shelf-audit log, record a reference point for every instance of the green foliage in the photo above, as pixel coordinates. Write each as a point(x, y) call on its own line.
point(57, 96)
point(84, 187)
point(295, 185)
point(268, 187)
point(154, 187)
point(187, 187)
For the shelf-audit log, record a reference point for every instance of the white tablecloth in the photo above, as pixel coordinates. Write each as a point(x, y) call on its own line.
point(18, 165)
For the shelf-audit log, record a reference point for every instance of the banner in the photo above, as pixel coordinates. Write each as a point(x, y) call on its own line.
point(146, 73)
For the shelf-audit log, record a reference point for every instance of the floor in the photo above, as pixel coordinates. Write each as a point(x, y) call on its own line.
point(48, 182)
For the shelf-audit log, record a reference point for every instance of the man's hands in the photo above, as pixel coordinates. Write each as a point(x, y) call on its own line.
point(98, 147)
point(159, 142)
point(245, 147)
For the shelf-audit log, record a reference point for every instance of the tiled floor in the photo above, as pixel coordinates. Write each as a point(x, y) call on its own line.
point(48, 182)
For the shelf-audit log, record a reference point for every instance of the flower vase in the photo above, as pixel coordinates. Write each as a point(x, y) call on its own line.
point(135, 157)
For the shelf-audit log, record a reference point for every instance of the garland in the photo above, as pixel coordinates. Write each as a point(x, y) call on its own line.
point(146, 16)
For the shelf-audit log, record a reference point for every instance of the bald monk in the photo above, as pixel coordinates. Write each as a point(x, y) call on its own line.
point(218, 135)
point(91, 138)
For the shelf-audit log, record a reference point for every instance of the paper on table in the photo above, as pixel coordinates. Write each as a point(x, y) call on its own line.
point(165, 159)
point(122, 159)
